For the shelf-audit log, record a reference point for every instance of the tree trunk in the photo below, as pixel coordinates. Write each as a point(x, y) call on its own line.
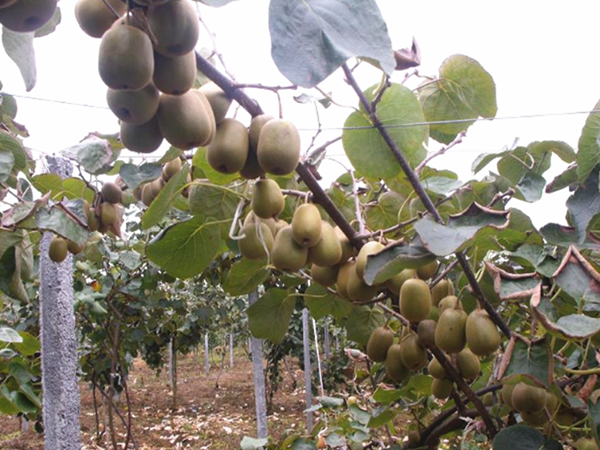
point(230, 350)
point(59, 342)
point(173, 371)
point(307, 367)
point(206, 354)
point(260, 395)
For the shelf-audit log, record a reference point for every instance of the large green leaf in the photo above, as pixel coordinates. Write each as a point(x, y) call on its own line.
point(13, 145)
point(216, 201)
point(463, 91)
point(74, 188)
point(7, 162)
point(578, 278)
point(29, 346)
point(245, 275)
point(9, 335)
point(384, 213)
point(588, 154)
point(162, 203)
point(565, 179)
point(321, 303)
point(566, 236)
point(362, 321)
point(134, 176)
point(185, 249)
point(58, 221)
point(199, 161)
point(534, 361)
point(584, 205)
point(312, 38)
point(446, 239)
point(365, 147)
point(394, 258)
point(269, 317)
point(19, 47)
point(522, 437)
point(94, 154)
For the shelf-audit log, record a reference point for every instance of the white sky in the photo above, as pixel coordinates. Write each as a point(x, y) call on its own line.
point(541, 55)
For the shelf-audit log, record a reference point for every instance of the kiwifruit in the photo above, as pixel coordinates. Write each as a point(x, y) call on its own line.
point(483, 337)
point(58, 249)
point(6, 3)
point(426, 333)
point(415, 300)
point(25, 16)
point(468, 364)
point(306, 225)
point(278, 148)
point(144, 138)
point(218, 99)
point(125, 58)
point(212, 124)
point(328, 250)
point(256, 126)
point(171, 169)
point(413, 355)
point(228, 151)
point(534, 418)
point(176, 27)
point(361, 260)
point(342, 279)
point(449, 302)
point(506, 394)
point(95, 17)
point(287, 254)
point(347, 248)
point(450, 331)
point(443, 289)
point(92, 220)
point(137, 193)
point(395, 283)
point(488, 399)
point(442, 388)
point(394, 368)
point(325, 276)
point(184, 121)
point(74, 248)
point(526, 398)
point(428, 270)
point(357, 289)
point(586, 443)
point(111, 192)
point(108, 214)
point(434, 314)
point(279, 224)
point(174, 75)
point(135, 107)
point(436, 370)
point(380, 341)
point(257, 237)
point(270, 222)
point(251, 167)
point(552, 402)
point(414, 437)
point(148, 194)
point(267, 199)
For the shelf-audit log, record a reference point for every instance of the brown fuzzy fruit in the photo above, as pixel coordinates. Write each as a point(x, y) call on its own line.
point(356, 288)
point(108, 214)
point(25, 16)
point(228, 151)
point(394, 368)
point(287, 254)
point(369, 248)
point(450, 331)
point(443, 289)
point(144, 138)
point(125, 58)
point(483, 337)
point(413, 355)
point(136, 107)
point(468, 364)
point(112, 193)
point(343, 277)
point(586, 443)
point(174, 75)
point(219, 101)
point(176, 27)
point(347, 248)
point(252, 169)
point(380, 341)
point(256, 126)
point(325, 276)
point(328, 250)
point(506, 394)
point(306, 225)
point(428, 270)
point(257, 237)
point(436, 370)
point(395, 283)
point(415, 300)
point(267, 199)
point(279, 147)
point(442, 388)
point(426, 333)
point(58, 249)
point(449, 302)
point(95, 17)
point(171, 169)
point(526, 398)
point(74, 248)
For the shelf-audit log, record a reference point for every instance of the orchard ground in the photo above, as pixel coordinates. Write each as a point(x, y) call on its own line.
point(207, 418)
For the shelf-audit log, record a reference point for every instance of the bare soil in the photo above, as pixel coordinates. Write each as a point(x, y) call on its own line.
point(207, 417)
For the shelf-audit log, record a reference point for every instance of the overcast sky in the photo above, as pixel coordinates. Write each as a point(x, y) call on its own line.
point(541, 54)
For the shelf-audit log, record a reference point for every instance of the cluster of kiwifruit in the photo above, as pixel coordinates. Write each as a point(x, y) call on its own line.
point(149, 191)
point(442, 323)
point(60, 247)
point(24, 16)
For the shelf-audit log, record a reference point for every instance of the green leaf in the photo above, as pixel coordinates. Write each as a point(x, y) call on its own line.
point(367, 150)
point(331, 402)
point(441, 185)
point(47, 182)
point(165, 199)
point(74, 188)
point(385, 396)
point(361, 323)
point(58, 221)
point(219, 202)
point(564, 236)
point(7, 162)
point(7, 407)
point(29, 346)
point(464, 90)
point(245, 275)
point(185, 249)
point(530, 188)
point(382, 418)
point(23, 403)
point(578, 278)
point(18, 372)
point(534, 361)
point(485, 158)
point(594, 417)
point(588, 154)
point(565, 179)
point(19, 47)
point(9, 335)
point(384, 213)
point(522, 437)
point(584, 205)
point(321, 303)
point(446, 239)
point(394, 258)
point(313, 38)
point(94, 154)
point(170, 155)
point(130, 259)
point(269, 317)
point(13, 145)
point(561, 149)
point(249, 443)
point(304, 444)
point(215, 177)
point(135, 176)
point(27, 390)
